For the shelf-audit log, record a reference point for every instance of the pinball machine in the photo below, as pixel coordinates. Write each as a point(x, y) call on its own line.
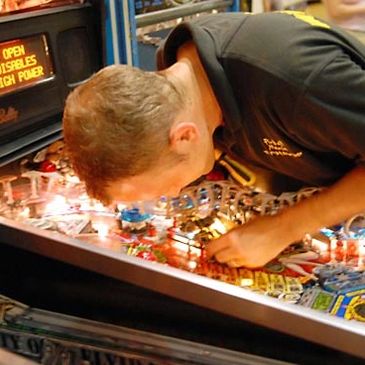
point(81, 283)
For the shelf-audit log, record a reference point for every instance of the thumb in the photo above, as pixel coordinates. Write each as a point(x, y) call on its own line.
point(216, 245)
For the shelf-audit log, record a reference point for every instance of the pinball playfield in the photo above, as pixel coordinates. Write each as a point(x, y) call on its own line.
point(320, 280)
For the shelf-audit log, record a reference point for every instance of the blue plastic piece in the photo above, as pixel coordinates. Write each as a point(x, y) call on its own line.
point(133, 215)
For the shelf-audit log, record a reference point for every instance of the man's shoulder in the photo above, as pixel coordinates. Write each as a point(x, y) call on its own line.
point(210, 31)
point(292, 46)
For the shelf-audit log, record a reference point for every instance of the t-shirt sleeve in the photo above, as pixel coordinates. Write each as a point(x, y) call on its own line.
point(330, 114)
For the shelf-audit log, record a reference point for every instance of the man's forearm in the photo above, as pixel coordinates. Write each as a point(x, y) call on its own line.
point(331, 206)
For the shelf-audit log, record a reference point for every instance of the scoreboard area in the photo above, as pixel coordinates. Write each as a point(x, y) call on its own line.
point(23, 63)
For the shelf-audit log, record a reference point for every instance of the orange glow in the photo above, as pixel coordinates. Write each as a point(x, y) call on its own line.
point(23, 62)
point(9, 6)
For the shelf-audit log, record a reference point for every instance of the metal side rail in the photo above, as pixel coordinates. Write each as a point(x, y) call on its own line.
point(155, 17)
point(52, 338)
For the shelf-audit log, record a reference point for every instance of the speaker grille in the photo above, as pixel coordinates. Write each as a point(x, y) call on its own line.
point(74, 54)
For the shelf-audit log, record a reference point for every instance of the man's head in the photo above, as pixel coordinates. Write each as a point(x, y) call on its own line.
point(132, 135)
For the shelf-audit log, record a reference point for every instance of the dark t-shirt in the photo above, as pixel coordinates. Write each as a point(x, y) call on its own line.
point(291, 88)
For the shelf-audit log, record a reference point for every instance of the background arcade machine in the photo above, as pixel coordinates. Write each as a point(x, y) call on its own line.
point(152, 20)
point(71, 289)
point(46, 50)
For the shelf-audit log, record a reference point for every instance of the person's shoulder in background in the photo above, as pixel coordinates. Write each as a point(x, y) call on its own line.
point(349, 14)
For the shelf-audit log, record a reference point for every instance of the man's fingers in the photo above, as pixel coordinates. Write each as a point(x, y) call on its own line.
point(235, 263)
point(215, 246)
point(230, 257)
point(225, 256)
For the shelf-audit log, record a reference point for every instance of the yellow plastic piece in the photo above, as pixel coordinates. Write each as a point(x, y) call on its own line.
point(239, 172)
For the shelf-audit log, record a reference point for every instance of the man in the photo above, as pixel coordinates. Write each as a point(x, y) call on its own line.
point(282, 91)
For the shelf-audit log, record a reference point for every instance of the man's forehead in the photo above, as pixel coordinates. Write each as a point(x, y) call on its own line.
point(124, 186)
point(131, 189)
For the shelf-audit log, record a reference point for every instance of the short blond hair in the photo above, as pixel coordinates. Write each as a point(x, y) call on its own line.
point(117, 125)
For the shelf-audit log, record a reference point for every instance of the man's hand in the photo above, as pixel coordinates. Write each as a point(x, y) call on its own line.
point(253, 244)
point(260, 240)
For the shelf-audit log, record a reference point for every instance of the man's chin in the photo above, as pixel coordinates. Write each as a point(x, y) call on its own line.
point(208, 170)
point(194, 181)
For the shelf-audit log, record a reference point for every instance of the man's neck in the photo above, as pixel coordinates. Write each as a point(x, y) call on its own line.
point(194, 77)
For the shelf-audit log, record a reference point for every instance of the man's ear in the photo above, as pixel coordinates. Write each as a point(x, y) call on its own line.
point(182, 136)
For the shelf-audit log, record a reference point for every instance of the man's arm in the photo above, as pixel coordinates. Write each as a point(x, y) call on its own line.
point(260, 240)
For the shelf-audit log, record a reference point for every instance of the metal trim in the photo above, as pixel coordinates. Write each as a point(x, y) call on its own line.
point(73, 333)
point(114, 31)
point(180, 11)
